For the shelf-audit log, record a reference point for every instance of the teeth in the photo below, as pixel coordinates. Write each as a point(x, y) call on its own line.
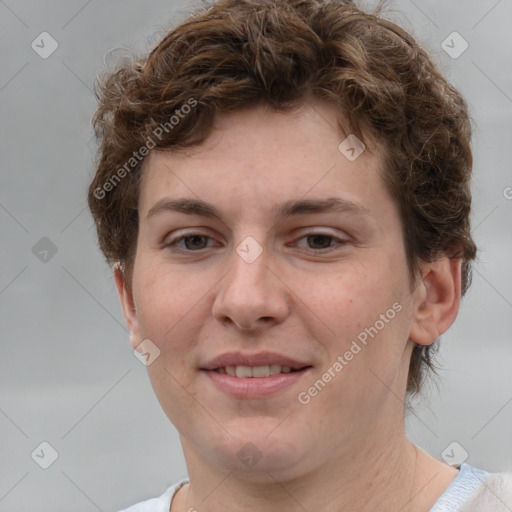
point(275, 369)
point(261, 371)
point(254, 371)
point(243, 371)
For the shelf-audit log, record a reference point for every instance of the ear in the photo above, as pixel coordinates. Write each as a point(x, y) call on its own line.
point(128, 305)
point(437, 300)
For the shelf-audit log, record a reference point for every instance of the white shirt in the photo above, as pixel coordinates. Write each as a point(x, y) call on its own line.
point(467, 489)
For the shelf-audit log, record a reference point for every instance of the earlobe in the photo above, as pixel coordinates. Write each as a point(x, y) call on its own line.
point(128, 305)
point(438, 300)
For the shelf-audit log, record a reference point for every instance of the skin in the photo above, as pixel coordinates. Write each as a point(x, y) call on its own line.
point(346, 449)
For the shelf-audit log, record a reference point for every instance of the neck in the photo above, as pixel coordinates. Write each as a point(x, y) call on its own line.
point(370, 478)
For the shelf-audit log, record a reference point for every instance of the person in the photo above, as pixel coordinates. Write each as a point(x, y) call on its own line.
point(283, 191)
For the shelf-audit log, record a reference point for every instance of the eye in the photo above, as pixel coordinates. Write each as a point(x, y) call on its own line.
point(195, 242)
point(192, 242)
point(320, 242)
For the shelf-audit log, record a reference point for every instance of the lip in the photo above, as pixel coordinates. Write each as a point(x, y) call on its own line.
point(254, 387)
point(259, 359)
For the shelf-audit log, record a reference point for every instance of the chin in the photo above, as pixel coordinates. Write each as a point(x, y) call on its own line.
point(256, 452)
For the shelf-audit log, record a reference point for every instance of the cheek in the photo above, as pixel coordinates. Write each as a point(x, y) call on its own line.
point(366, 310)
point(355, 297)
point(162, 297)
point(367, 317)
point(170, 312)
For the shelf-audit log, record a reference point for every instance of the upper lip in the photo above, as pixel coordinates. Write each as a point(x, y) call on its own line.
point(259, 359)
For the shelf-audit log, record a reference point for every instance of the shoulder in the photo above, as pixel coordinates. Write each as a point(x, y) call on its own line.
point(494, 494)
point(160, 504)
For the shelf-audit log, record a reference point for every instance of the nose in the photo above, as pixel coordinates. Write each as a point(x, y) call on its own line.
point(252, 296)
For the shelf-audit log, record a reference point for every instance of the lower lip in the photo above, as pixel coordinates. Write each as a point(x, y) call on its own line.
point(254, 387)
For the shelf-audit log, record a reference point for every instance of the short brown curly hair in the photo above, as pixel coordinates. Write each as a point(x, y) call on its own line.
point(238, 53)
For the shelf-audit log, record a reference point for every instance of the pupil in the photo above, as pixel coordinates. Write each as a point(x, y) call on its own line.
point(325, 237)
point(195, 237)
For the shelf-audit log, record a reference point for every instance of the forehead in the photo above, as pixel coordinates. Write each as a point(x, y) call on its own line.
point(262, 157)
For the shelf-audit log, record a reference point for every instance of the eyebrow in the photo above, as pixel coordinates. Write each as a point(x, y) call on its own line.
point(192, 206)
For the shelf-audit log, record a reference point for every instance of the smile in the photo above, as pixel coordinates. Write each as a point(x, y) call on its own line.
point(254, 382)
point(254, 371)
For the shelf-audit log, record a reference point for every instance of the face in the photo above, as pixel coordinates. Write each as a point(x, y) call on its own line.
point(302, 265)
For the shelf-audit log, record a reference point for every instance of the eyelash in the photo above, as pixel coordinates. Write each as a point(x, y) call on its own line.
point(173, 242)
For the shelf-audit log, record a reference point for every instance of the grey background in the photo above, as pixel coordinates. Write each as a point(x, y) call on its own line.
point(68, 375)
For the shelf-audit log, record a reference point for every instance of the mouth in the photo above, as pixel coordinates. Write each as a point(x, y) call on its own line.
point(243, 375)
point(258, 372)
